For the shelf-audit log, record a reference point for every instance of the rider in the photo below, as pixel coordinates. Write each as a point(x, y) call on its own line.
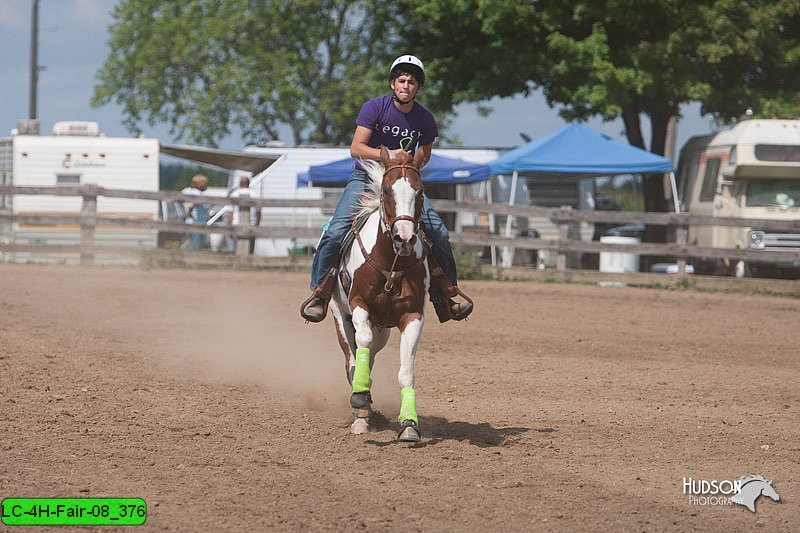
point(397, 122)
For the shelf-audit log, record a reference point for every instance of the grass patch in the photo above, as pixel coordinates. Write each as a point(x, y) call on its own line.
point(468, 262)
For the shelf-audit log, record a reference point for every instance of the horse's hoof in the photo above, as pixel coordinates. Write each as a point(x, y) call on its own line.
point(359, 426)
point(360, 400)
point(409, 432)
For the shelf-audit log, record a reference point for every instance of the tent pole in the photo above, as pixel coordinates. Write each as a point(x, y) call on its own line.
point(508, 251)
point(459, 198)
point(674, 192)
point(492, 221)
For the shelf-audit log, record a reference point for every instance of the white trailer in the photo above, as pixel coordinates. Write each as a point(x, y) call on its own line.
point(78, 154)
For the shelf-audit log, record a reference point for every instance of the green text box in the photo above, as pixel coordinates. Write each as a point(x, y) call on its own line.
point(73, 511)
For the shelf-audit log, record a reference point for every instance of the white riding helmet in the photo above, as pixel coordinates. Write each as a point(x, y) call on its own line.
point(411, 64)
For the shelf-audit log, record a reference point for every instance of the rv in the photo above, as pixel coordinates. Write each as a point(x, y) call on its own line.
point(749, 171)
point(77, 153)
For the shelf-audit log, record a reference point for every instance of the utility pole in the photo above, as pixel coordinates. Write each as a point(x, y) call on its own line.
point(34, 60)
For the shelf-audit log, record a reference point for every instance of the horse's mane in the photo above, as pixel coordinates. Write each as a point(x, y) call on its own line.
point(371, 199)
point(748, 479)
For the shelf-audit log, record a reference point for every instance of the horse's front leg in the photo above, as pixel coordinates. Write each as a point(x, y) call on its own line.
point(410, 333)
point(361, 399)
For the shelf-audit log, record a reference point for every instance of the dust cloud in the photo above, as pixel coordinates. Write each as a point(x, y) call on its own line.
point(237, 339)
point(229, 327)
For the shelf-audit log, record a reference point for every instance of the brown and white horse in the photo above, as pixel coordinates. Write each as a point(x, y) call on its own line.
point(383, 281)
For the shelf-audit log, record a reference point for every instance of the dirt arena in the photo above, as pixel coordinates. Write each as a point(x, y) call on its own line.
point(556, 407)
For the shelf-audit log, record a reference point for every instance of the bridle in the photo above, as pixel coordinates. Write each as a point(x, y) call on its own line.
point(389, 224)
point(392, 276)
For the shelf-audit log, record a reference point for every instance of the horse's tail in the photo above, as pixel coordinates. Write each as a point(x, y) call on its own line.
point(371, 199)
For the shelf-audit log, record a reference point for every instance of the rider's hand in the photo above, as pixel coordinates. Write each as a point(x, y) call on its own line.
point(394, 153)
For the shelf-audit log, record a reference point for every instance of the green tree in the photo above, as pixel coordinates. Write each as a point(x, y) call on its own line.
point(203, 66)
point(616, 58)
point(177, 176)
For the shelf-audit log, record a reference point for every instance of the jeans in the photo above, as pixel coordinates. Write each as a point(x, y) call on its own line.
point(329, 248)
point(199, 215)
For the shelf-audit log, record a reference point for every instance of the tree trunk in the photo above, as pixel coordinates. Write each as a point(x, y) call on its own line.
point(660, 121)
point(633, 127)
point(654, 200)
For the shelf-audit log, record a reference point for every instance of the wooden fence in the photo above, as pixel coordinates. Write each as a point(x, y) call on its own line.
point(89, 220)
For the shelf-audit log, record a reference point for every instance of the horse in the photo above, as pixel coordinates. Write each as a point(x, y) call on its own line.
point(383, 279)
point(752, 488)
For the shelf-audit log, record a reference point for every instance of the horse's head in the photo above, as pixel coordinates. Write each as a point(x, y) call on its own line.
point(401, 199)
point(770, 492)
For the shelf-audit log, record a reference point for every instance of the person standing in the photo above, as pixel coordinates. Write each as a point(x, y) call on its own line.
point(196, 212)
point(233, 212)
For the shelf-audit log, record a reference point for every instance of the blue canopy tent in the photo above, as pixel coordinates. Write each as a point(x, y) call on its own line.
point(576, 152)
point(439, 169)
point(579, 152)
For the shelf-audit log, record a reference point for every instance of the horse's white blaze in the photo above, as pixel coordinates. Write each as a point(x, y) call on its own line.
point(363, 328)
point(409, 340)
point(404, 196)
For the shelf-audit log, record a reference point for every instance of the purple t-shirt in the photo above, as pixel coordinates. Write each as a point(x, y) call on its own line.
point(389, 125)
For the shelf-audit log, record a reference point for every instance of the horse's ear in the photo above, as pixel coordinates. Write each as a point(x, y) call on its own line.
point(419, 156)
point(385, 157)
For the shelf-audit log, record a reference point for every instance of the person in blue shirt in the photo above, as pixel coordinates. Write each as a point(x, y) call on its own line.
point(196, 212)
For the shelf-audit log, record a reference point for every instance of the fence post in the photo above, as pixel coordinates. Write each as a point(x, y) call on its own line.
point(681, 238)
point(243, 243)
point(563, 235)
point(88, 222)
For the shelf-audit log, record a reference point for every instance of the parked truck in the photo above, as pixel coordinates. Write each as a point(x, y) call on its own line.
point(749, 171)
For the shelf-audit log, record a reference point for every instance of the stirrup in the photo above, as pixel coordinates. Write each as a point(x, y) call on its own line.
point(321, 295)
point(316, 299)
point(443, 305)
point(465, 309)
point(442, 295)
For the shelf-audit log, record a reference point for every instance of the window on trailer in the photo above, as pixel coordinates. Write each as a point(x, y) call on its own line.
point(68, 179)
point(710, 180)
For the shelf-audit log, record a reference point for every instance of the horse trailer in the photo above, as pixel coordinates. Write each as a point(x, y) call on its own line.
point(77, 154)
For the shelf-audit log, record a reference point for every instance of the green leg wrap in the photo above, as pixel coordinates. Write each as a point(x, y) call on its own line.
point(361, 380)
point(408, 408)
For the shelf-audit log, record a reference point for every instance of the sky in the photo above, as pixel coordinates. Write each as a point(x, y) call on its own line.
point(72, 47)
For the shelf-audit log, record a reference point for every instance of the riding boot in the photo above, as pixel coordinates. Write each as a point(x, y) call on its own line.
point(442, 293)
point(315, 307)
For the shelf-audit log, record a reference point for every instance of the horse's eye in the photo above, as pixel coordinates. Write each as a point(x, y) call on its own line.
point(387, 191)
